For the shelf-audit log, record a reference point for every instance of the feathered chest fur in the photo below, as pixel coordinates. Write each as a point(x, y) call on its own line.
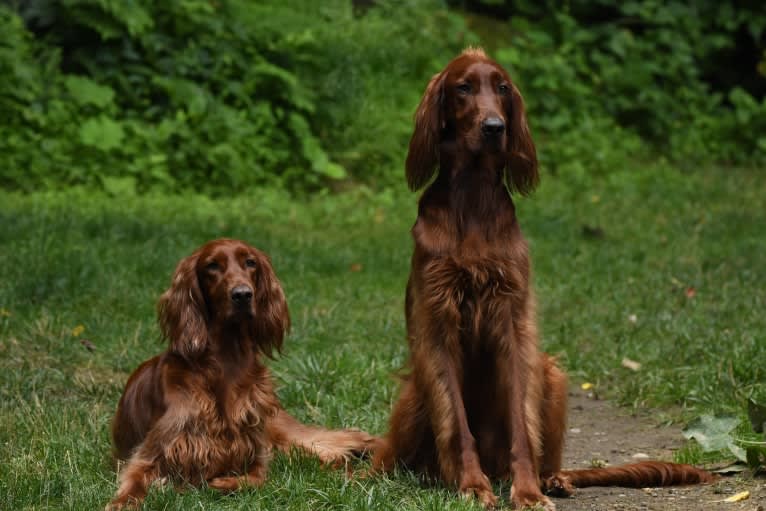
point(466, 278)
point(475, 260)
point(472, 277)
point(223, 430)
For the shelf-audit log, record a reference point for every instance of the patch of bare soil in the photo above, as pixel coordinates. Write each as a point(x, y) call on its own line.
point(598, 430)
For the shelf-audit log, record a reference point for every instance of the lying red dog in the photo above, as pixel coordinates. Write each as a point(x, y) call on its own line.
point(205, 410)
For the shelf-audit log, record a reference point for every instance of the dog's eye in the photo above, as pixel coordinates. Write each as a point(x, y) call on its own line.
point(212, 266)
point(503, 89)
point(464, 88)
point(250, 263)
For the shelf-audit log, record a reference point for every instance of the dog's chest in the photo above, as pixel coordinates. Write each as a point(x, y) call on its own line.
point(233, 410)
point(474, 279)
point(224, 432)
point(476, 295)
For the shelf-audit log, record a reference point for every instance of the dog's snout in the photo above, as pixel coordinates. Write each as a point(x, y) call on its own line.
point(492, 126)
point(241, 295)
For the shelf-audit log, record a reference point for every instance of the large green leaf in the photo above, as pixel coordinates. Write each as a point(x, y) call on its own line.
point(102, 133)
point(714, 434)
point(184, 93)
point(85, 91)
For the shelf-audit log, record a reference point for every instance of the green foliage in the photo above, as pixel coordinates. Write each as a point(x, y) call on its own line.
point(713, 434)
point(220, 97)
point(369, 76)
point(731, 437)
point(212, 96)
point(590, 72)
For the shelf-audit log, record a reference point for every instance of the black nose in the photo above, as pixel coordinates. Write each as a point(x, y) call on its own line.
point(492, 126)
point(241, 295)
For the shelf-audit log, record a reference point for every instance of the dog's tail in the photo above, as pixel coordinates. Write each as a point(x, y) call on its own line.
point(635, 475)
point(330, 446)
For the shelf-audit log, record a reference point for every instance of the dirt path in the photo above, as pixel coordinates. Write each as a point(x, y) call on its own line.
point(599, 430)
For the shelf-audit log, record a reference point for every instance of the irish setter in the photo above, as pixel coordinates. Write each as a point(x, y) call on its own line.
point(482, 401)
point(205, 410)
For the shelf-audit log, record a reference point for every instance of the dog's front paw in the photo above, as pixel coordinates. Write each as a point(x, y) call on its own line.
point(122, 503)
point(531, 499)
point(558, 485)
point(225, 484)
point(478, 488)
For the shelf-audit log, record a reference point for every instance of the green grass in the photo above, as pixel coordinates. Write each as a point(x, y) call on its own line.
point(77, 258)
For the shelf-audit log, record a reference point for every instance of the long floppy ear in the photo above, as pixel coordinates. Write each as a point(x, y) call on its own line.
point(272, 319)
point(423, 155)
point(521, 169)
point(182, 313)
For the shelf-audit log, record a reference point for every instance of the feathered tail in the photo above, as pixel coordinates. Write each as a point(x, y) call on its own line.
point(330, 446)
point(635, 475)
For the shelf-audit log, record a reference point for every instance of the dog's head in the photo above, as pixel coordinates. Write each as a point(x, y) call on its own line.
point(473, 108)
point(224, 285)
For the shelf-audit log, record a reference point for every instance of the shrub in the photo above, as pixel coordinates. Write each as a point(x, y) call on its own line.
point(217, 96)
point(212, 96)
point(645, 67)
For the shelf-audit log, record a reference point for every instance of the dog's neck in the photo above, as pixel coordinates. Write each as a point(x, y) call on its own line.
point(234, 346)
point(476, 197)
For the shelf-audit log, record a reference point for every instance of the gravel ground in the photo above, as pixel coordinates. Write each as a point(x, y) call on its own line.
point(600, 431)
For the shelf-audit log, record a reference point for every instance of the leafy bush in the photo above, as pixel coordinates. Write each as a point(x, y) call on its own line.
point(211, 96)
point(218, 96)
point(369, 76)
point(641, 66)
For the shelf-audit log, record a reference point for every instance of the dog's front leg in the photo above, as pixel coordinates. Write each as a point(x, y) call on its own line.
point(255, 476)
point(438, 375)
point(149, 461)
point(522, 379)
point(139, 472)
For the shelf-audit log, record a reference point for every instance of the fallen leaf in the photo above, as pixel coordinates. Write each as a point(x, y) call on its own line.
point(732, 468)
point(690, 292)
point(586, 386)
point(631, 364)
point(737, 497)
point(77, 330)
point(355, 267)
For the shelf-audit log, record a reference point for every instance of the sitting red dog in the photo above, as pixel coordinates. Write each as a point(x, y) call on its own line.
point(205, 411)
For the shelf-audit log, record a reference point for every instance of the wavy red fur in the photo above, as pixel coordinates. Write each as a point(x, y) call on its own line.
point(482, 401)
point(205, 411)
point(636, 475)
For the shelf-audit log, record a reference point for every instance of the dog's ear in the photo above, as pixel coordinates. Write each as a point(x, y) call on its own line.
point(423, 155)
point(182, 312)
point(521, 168)
point(272, 318)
